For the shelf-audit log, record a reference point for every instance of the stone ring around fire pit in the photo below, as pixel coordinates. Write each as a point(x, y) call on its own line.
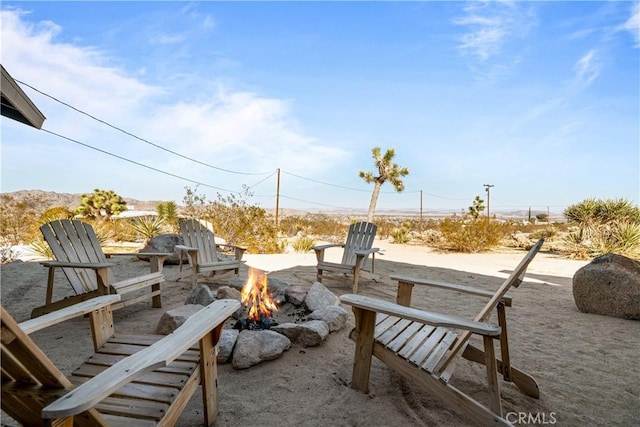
point(274, 314)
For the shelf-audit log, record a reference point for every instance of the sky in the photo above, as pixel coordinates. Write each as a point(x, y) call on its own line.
point(539, 100)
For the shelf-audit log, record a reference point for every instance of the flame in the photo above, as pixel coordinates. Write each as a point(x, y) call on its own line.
point(256, 296)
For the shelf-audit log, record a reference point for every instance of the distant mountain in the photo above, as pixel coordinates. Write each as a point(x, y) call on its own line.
point(71, 201)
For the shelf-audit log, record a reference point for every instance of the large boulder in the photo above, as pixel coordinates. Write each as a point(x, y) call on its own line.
point(609, 285)
point(166, 243)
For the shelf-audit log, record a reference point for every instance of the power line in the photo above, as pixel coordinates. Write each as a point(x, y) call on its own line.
point(136, 163)
point(135, 136)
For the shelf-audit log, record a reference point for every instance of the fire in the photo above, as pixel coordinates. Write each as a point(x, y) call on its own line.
point(256, 297)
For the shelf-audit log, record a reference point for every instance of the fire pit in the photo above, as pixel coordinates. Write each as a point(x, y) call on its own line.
point(258, 301)
point(275, 316)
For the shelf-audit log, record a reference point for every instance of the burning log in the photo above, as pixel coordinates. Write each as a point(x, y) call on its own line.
point(258, 302)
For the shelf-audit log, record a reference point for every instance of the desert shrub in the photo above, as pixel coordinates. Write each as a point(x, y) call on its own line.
point(7, 252)
point(18, 217)
point(471, 234)
point(386, 227)
point(400, 235)
point(603, 226)
point(321, 225)
point(148, 226)
point(303, 243)
point(168, 211)
point(542, 217)
point(237, 221)
point(546, 233)
point(429, 237)
point(40, 247)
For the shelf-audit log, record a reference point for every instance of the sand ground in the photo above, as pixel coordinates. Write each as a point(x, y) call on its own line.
point(586, 365)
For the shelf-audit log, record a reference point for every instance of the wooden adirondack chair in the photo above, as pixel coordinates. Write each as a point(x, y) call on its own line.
point(131, 380)
point(357, 248)
point(424, 346)
point(79, 254)
point(203, 252)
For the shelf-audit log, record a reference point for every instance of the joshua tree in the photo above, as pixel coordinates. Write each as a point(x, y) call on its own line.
point(101, 204)
point(477, 207)
point(387, 171)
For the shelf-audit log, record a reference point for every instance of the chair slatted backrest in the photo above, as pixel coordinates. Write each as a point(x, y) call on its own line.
point(514, 279)
point(198, 236)
point(75, 241)
point(360, 237)
point(26, 367)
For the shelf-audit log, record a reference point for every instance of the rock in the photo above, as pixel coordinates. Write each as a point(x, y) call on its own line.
point(295, 295)
point(200, 295)
point(320, 297)
point(172, 319)
point(253, 347)
point(226, 344)
point(289, 330)
point(166, 243)
point(335, 316)
point(309, 334)
point(609, 285)
point(277, 289)
point(225, 292)
point(313, 333)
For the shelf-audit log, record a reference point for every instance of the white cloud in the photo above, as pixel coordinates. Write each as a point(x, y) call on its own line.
point(633, 24)
point(233, 130)
point(587, 68)
point(491, 24)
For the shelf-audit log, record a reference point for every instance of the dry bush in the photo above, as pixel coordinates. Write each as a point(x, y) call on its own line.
point(465, 234)
point(303, 243)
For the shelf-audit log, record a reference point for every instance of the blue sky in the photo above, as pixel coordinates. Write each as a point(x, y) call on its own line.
point(539, 99)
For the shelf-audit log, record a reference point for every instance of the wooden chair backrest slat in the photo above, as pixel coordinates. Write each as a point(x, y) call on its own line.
point(360, 236)
point(25, 360)
point(75, 241)
point(26, 366)
point(198, 236)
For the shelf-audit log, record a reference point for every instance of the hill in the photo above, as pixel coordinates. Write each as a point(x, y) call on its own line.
point(50, 199)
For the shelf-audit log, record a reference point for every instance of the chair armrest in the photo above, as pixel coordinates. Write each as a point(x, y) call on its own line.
point(425, 317)
point(228, 245)
point(160, 354)
point(76, 310)
point(238, 250)
point(450, 286)
point(63, 264)
point(332, 245)
point(365, 252)
point(185, 248)
point(138, 253)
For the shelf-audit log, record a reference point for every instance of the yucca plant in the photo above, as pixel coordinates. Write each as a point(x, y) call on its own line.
point(303, 243)
point(400, 235)
point(148, 226)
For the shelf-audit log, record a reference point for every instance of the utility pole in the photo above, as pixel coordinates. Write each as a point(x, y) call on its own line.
point(488, 187)
point(420, 210)
point(277, 198)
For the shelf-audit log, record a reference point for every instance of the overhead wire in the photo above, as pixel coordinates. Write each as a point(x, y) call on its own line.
point(135, 162)
point(137, 137)
point(269, 174)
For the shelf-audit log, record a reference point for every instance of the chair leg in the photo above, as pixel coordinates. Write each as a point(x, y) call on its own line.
point(492, 375)
point(525, 382)
point(365, 328)
point(209, 377)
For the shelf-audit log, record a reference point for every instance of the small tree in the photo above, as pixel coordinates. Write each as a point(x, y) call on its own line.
point(477, 207)
point(168, 211)
point(102, 204)
point(387, 171)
